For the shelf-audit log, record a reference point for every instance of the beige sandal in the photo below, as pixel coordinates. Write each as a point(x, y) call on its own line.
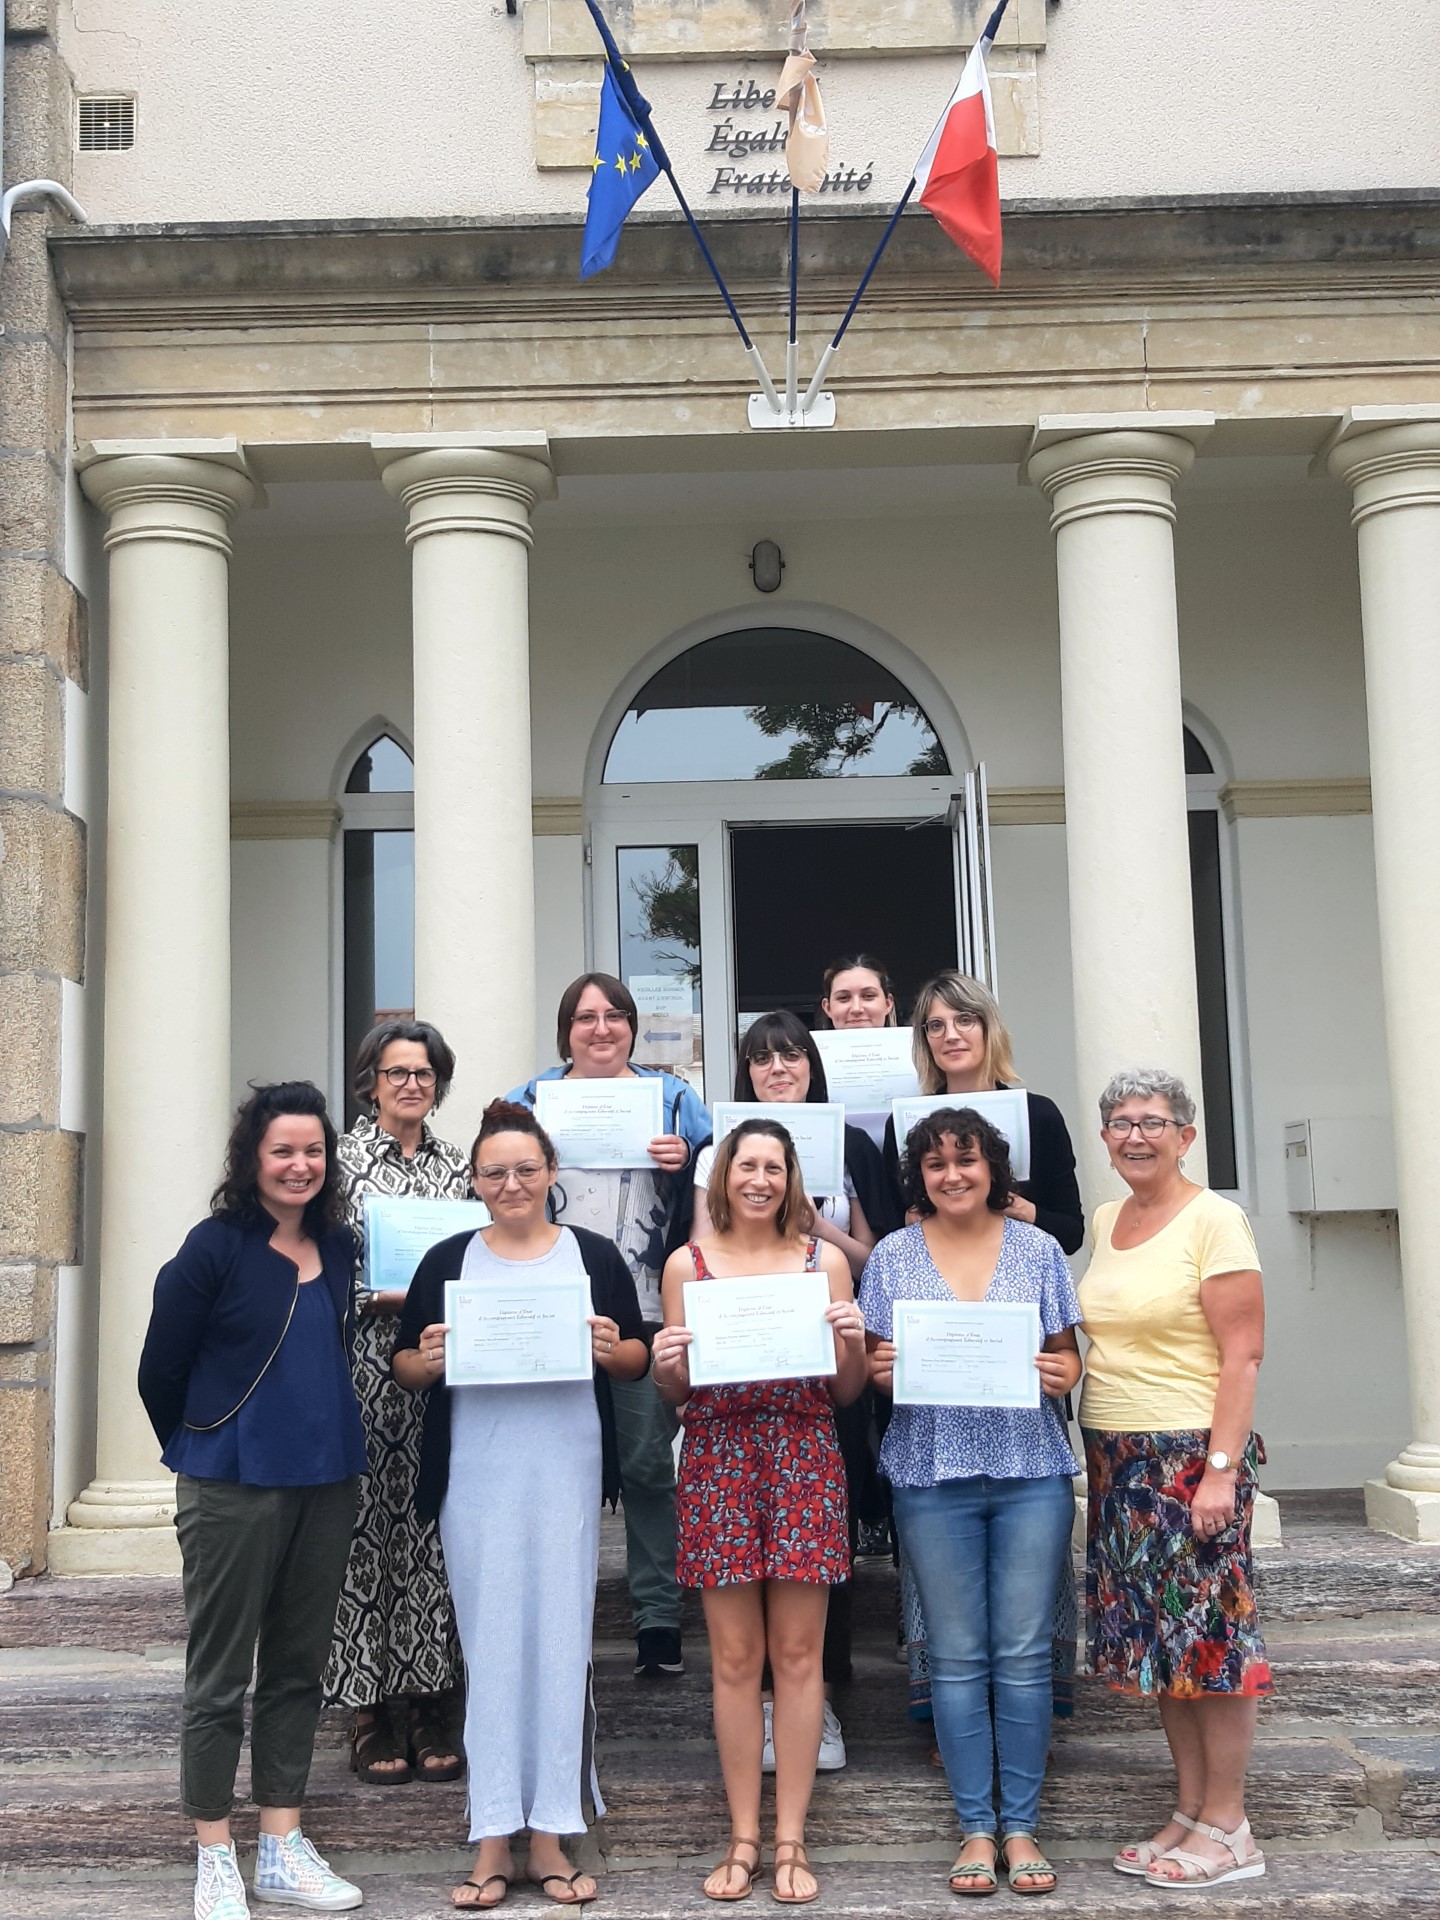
point(1138, 1856)
point(798, 1858)
point(1197, 1871)
point(732, 1859)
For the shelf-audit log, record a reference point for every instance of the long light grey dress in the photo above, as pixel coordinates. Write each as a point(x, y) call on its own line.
point(521, 1529)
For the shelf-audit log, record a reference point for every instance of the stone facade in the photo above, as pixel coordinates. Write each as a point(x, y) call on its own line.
point(42, 846)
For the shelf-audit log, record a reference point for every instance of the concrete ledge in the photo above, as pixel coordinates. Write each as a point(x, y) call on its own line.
point(1409, 1516)
point(112, 1550)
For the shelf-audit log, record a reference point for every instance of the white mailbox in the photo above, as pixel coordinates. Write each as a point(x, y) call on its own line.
point(1340, 1166)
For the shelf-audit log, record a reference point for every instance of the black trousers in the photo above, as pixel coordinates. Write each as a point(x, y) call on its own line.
point(263, 1567)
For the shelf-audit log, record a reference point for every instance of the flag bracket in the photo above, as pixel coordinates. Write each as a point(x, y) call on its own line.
point(816, 411)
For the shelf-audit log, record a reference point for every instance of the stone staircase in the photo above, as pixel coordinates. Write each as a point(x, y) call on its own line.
point(1345, 1789)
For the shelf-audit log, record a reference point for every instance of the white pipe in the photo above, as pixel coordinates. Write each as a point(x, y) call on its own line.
point(820, 373)
point(39, 190)
point(767, 385)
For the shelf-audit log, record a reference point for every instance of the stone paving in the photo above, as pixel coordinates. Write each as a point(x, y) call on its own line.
point(1345, 1788)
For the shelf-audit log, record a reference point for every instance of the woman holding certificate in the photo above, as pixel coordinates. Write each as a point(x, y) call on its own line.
point(518, 1332)
point(762, 1524)
point(1175, 1315)
point(395, 1655)
point(971, 1315)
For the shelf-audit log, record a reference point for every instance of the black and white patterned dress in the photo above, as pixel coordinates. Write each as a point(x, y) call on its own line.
point(395, 1625)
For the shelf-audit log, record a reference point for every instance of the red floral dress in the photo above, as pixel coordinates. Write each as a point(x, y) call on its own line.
point(761, 1491)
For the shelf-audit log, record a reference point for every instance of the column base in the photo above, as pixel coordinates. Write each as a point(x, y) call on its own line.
point(1265, 1522)
point(1402, 1512)
point(118, 1526)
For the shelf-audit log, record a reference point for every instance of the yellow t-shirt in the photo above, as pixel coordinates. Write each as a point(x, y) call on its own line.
point(1153, 1365)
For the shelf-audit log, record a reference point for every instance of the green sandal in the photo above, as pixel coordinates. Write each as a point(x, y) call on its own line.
point(1035, 1865)
point(973, 1877)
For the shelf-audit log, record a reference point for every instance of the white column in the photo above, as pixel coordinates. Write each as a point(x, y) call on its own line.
point(166, 1101)
point(1132, 944)
point(1390, 457)
point(469, 535)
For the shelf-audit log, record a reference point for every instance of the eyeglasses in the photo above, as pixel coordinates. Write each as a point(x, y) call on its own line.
point(422, 1076)
point(608, 1017)
point(762, 1056)
point(957, 1023)
point(527, 1173)
point(1150, 1124)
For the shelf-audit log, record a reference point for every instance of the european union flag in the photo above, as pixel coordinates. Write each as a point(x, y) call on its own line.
point(622, 169)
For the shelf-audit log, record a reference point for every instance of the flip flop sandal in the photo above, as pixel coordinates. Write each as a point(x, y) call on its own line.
point(546, 1880)
point(1036, 1863)
point(798, 1858)
point(372, 1744)
point(732, 1859)
point(974, 1870)
point(501, 1880)
point(1198, 1872)
point(1138, 1856)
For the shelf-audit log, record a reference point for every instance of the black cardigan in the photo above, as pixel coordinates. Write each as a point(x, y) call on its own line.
point(612, 1293)
point(876, 1187)
point(1052, 1188)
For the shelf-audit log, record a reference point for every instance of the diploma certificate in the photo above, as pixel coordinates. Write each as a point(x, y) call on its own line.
point(768, 1326)
point(1006, 1108)
point(966, 1353)
point(400, 1230)
point(818, 1133)
point(602, 1123)
point(500, 1336)
point(867, 1067)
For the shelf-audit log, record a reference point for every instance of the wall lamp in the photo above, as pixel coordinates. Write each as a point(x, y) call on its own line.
point(767, 563)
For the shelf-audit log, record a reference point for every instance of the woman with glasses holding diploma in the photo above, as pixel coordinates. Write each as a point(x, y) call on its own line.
point(516, 1476)
point(762, 1523)
point(395, 1657)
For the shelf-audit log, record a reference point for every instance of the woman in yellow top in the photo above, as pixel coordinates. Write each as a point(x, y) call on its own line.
point(1175, 1316)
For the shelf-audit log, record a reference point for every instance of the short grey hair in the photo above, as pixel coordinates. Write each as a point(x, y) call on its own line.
point(1148, 1083)
point(420, 1032)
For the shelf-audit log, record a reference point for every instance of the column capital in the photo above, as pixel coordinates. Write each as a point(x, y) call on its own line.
point(187, 490)
point(1388, 456)
point(456, 483)
point(1113, 463)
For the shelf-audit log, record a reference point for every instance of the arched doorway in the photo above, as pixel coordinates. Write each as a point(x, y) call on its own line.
point(762, 800)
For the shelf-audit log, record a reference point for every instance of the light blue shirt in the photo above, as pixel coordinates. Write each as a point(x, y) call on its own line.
point(925, 1445)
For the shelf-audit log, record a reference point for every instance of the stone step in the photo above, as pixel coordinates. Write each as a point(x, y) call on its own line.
point(1380, 1885)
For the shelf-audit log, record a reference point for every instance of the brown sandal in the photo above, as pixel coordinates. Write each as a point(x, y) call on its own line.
point(798, 1858)
point(733, 1860)
point(373, 1746)
point(431, 1742)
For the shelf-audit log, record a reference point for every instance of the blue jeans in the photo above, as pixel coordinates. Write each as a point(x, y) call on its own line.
point(986, 1556)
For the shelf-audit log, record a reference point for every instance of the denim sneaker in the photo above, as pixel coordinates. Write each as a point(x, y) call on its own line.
point(657, 1651)
point(290, 1873)
point(219, 1890)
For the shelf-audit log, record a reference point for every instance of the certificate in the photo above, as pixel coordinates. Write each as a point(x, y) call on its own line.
point(401, 1229)
point(867, 1067)
point(966, 1353)
point(768, 1326)
point(1006, 1108)
point(510, 1335)
point(818, 1133)
point(602, 1123)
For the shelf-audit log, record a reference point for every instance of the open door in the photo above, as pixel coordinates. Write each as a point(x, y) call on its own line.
point(968, 817)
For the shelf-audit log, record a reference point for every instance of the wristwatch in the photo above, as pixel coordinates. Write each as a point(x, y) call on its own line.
point(1221, 1462)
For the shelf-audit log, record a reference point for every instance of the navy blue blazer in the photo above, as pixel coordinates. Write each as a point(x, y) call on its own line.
point(221, 1309)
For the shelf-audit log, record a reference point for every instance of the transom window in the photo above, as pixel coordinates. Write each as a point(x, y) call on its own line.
point(772, 703)
point(378, 850)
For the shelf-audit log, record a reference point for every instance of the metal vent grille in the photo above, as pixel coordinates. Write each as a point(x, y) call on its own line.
point(105, 123)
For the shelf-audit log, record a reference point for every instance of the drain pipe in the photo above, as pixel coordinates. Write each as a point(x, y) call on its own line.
point(29, 189)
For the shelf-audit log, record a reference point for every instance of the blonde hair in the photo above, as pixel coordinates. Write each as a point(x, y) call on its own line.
point(795, 1216)
point(962, 994)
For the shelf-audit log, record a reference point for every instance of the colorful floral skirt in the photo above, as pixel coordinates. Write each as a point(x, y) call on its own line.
point(1168, 1613)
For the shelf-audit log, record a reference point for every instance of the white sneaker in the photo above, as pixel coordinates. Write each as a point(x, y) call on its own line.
point(767, 1752)
point(291, 1873)
point(832, 1744)
point(219, 1890)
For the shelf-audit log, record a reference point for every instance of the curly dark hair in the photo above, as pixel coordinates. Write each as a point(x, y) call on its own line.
point(508, 1116)
point(966, 1128)
point(238, 1195)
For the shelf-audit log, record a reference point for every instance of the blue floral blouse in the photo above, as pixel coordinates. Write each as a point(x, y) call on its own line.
point(925, 1445)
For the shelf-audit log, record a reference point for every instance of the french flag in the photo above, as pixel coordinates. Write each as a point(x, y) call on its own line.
point(957, 177)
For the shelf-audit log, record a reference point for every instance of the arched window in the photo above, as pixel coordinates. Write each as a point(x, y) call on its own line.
point(378, 822)
point(772, 703)
point(1207, 900)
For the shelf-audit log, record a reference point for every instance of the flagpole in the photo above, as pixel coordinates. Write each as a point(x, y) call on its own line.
point(640, 107)
point(834, 347)
point(792, 346)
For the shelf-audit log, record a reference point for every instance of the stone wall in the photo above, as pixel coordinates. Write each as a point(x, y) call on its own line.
point(42, 846)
